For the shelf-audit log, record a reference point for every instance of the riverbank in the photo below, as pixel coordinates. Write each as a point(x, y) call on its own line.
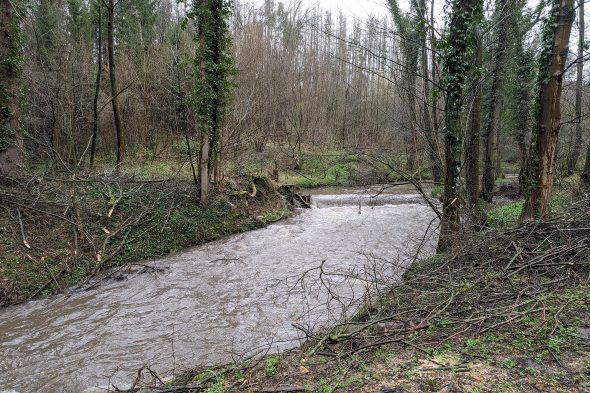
point(58, 232)
point(508, 312)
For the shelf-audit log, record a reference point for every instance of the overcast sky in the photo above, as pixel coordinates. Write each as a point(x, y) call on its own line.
point(363, 8)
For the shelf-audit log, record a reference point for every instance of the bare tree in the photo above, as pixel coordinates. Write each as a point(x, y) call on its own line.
point(96, 112)
point(113, 78)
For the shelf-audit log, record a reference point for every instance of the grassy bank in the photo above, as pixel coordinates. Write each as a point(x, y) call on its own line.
point(507, 312)
point(57, 232)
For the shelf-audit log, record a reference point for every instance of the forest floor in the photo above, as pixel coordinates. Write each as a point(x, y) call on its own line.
point(509, 311)
point(58, 232)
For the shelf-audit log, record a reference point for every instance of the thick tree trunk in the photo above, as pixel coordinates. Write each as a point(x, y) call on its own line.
point(97, 86)
point(543, 151)
point(572, 161)
point(113, 78)
point(473, 132)
point(11, 146)
point(456, 67)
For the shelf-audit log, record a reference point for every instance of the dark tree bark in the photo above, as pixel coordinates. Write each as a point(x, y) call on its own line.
point(473, 132)
point(457, 65)
point(11, 149)
point(113, 79)
point(492, 125)
point(572, 161)
point(544, 147)
point(522, 120)
point(97, 85)
point(586, 171)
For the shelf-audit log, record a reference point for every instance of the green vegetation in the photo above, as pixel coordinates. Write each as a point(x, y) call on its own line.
point(506, 214)
point(124, 221)
point(271, 365)
point(324, 170)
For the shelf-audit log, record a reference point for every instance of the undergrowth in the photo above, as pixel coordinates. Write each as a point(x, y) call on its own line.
point(55, 234)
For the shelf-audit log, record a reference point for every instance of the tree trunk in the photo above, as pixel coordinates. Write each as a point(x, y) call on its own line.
point(427, 121)
point(457, 65)
point(495, 111)
point(544, 147)
point(473, 132)
point(113, 78)
point(11, 146)
point(572, 161)
point(586, 171)
point(204, 167)
point(97, 86)
point(522, 121)
point(203, 127)
point(437, 172)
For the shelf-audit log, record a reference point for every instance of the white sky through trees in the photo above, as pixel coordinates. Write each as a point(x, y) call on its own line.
point(363, 8)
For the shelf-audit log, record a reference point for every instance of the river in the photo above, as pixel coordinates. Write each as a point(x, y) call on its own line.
point(214, 302)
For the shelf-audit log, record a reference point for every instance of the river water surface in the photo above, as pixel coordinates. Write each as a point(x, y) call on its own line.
point(211, 303)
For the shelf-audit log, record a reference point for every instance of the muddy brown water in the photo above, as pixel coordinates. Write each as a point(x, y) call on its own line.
point(215, 302)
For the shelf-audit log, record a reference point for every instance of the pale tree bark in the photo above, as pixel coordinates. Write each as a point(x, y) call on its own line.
point(429, 130)
point(544, 146)
point(438, 171)
point(572, 161)
point(11, 146)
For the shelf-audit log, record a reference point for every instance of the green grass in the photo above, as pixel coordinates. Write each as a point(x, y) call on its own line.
point(506, 214)
point(271, 365)
point(323, 170)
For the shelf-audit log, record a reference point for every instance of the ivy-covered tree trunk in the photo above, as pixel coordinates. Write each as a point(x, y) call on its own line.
point(522, 120)
point(11, 149)
point(457, 64)
point(213, 67)
point(573, 158)
point(556, 37)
